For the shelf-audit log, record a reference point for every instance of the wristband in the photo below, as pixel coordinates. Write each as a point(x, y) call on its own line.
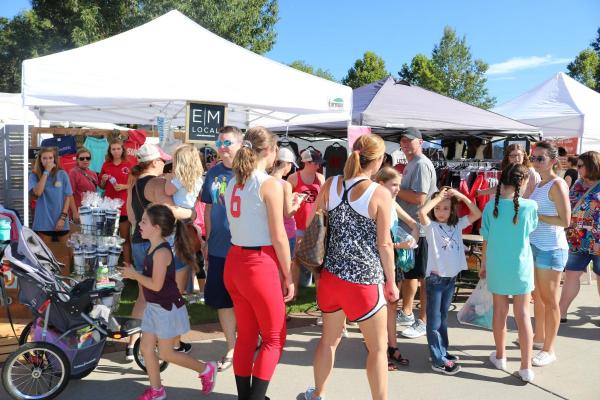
point(46, 172)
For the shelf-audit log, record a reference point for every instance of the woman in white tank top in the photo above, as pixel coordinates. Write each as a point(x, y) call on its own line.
point(550, 249)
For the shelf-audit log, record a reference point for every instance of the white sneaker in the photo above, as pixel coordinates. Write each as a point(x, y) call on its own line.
point(404, 320)
point(320, 321)
point(345, 332)
point(416, 330)
point(526, 375)
point(499, 363)
point(543, 358)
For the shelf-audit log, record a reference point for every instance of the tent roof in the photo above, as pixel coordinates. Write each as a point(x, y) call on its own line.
point(12, 111)
point(387, 105)
point(561, 106)
point(153, 69)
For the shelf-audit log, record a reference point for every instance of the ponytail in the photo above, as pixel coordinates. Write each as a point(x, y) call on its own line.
point(497, 199)
point(183, 245)
point(244, 163)
point(352, 167)
point(516, 202)
point(140, 167)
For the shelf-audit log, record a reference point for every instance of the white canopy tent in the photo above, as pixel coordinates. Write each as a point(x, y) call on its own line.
point(152, 70)
point(562, 108)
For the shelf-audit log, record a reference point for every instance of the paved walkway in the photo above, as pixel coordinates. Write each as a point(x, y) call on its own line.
point(573, 376)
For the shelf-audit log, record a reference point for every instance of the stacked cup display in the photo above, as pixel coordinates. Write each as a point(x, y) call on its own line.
point(111, 225)
point(87, 220)
point(99, 219)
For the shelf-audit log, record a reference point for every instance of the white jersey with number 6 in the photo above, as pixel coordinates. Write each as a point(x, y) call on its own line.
point(247, 212)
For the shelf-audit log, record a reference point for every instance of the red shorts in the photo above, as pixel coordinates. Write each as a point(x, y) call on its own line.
point(359, 302)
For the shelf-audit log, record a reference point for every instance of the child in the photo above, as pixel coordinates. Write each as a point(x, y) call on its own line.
point(185, 183)
point(445, 259)
point(507, 262)
point(390, 179)
point(165, 317)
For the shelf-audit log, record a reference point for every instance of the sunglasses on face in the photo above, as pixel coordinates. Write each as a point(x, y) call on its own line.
point(84, 158)
point(538, 158)
point(223, 143)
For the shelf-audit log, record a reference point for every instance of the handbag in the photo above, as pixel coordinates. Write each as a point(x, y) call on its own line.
point(311, 250)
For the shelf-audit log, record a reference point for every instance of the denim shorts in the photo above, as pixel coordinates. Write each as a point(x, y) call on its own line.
point(555, 259)
point(139, 251)
point(578, 262)
point(163, 323)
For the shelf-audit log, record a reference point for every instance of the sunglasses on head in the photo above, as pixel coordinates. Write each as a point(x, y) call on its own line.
point(84, 158)
point(223, 143)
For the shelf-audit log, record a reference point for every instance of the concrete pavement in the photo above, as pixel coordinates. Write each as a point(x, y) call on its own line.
point(574, 376)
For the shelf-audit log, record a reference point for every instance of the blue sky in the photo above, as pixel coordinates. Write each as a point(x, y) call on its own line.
point(525, 42)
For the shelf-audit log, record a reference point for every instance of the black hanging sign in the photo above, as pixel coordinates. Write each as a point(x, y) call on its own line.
point(203, 121)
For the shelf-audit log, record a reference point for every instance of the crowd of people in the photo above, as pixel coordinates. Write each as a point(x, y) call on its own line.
point(537, 226)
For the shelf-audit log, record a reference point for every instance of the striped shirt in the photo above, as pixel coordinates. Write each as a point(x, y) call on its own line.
point(547, 237)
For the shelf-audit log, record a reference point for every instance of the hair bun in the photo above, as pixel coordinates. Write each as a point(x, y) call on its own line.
point(247, 143)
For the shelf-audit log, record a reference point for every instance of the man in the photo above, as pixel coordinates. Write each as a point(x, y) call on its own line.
point(308, 182)
point(418, 184)
point(219, 237)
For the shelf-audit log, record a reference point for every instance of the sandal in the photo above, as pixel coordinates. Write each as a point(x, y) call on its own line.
point(396, 359)
point(225, 363)
point(392, 366)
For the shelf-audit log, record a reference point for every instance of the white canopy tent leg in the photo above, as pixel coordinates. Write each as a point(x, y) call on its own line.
point(25, 167)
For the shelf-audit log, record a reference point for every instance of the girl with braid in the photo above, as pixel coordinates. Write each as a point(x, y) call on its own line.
point(507, 262)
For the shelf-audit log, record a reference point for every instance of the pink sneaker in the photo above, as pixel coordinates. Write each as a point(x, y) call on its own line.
point(154, 394)
point(209, 377)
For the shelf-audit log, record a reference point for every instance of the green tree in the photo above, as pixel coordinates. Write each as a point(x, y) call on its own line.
point(368, 69)
point(309, 69)
point(451, 71)
point(52, 26)
point(585, 68)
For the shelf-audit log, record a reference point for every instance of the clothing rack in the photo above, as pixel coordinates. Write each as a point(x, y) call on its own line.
point(106, 133)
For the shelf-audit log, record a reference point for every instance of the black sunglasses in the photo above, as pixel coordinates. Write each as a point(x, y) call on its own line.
point(84, 158)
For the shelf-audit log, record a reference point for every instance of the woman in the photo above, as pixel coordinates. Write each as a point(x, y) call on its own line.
point(143, 190)
point(114, 178)
point(550, 249)
point(571, 174)
point(516, 154)
point(291, 201)
point(259, 255)
point(51, 187)
point(82, 179)
point(584, 243)
point(351, 284)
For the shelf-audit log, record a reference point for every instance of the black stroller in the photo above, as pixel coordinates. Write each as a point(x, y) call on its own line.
point(71, 323)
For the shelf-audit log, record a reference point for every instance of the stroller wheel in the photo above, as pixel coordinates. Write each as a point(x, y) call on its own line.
point(36, 371)
point(139, 358)
point(25, 336)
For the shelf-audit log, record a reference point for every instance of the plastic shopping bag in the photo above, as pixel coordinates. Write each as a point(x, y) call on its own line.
point(478, 310)
point(405, 258)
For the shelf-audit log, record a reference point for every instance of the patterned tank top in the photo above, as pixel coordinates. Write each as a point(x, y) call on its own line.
point(352, 253)
point(547, 237)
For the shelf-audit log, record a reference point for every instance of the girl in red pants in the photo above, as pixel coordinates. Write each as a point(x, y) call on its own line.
point(259, 255)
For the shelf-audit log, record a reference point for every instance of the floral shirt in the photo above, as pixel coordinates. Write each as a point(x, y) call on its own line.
point(583, 233)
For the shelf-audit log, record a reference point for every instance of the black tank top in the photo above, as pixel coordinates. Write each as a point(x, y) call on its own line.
point(168, 294)
point(137, 195)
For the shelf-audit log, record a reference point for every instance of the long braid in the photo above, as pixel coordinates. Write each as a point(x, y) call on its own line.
point(516, 198)
point(497, 199)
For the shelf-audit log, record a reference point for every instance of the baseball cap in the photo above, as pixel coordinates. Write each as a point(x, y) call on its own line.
point(312, 156)
point(413, 133)
point(287, 155)
point(149, 152)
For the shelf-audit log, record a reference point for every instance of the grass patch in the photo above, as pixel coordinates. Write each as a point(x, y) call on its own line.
point(201, 314)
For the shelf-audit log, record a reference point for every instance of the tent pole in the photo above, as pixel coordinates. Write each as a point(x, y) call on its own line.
point(25, 167)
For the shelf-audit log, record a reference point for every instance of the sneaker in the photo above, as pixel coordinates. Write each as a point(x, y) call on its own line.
point(209, 377)
point(450, 368)
point(526, 375)
point(499, 363)
point(416, 330)
point(404, 320)
point(183, 348)
point(153, 394)
point(450, 357)
point(310, 393)
point(129, 354)
point(543, 358)
point(345, 333)
point(563, 320)
point(319, 321)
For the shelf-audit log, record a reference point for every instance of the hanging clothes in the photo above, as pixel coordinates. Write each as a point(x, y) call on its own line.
point(98, 148)
point(335, 157)
point(135, 139)
point(65, 144)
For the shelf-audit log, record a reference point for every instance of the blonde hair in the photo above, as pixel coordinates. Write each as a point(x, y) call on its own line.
point(188, 166)
point(38, 169)
point(256, 140)
point(365, 150)
point(387, 174)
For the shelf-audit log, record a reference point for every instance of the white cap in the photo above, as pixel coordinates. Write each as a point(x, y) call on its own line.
point(286, 154)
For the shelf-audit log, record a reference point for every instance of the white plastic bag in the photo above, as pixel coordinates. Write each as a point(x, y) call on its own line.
point(478, 310)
